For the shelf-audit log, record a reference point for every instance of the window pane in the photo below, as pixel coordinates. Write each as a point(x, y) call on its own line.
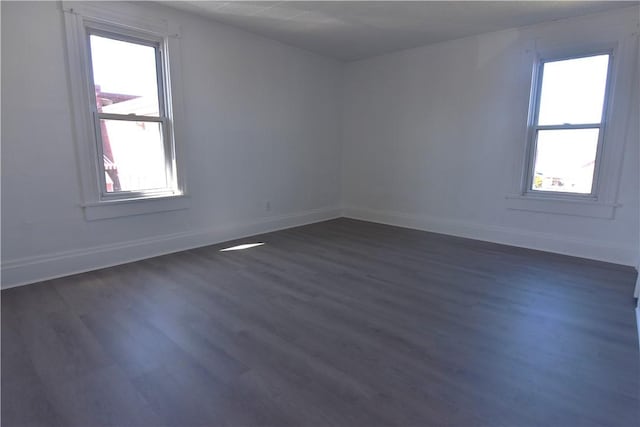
point(125, 77)
point(565, 160)
point(573, 90)
point(133, 155)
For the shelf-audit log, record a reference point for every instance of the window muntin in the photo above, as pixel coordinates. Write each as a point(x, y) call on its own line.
point(134, 145)
point(568, 125)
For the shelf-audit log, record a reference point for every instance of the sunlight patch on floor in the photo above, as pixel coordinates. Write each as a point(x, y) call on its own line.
point(241, 247)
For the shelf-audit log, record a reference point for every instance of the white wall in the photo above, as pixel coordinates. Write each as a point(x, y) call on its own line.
point(421, 134)
point(434, 139)
point(261, 125)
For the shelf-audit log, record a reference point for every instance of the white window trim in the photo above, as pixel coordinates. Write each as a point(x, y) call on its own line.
point(602, 203)
point(129, 20)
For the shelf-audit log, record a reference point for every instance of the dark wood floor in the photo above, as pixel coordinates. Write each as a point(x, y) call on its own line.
point(339, 323)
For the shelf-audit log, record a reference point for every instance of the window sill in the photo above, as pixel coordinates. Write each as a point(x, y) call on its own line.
point(129, 207)
point(562, 206)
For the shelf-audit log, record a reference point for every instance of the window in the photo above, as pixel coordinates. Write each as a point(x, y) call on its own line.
point(129, 115)
point(567, 125)
point(582, 108)
point(122, 77)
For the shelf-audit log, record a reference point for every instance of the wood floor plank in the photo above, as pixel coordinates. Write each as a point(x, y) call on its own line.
point(340, 323)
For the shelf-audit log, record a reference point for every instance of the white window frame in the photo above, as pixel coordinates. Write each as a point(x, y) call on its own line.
point(125, 22)
point(163, 119)
point(534, 127)
point(603, 201)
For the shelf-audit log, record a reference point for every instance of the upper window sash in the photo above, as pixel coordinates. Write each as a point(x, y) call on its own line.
point(534, 114)
point(128, 36)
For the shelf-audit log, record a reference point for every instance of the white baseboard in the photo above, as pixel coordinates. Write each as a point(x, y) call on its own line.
point(584, 248)
point(38, 268)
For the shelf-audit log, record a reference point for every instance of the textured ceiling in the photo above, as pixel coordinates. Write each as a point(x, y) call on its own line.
point(351, 30)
